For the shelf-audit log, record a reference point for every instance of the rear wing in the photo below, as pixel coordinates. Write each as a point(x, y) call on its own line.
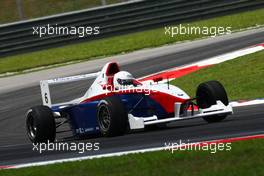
point(44, 85)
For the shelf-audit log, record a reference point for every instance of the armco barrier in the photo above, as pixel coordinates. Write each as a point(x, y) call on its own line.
point(116, 20)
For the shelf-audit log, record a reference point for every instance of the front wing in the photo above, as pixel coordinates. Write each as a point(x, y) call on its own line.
point(218, 109)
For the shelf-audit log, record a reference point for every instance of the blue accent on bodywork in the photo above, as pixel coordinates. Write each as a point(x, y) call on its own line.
point(83, 120)
point(141, 105)
point(82, 117)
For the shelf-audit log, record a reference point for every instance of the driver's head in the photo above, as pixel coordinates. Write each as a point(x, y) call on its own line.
point(123, 79)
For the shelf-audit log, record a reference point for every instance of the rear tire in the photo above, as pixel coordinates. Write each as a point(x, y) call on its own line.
point(207, 94)
point(112, 117)
point(40, 124)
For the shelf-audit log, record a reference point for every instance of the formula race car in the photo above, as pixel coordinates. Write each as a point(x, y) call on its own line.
point(117, 103)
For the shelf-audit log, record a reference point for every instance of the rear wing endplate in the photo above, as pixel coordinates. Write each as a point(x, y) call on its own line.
point(44, 85)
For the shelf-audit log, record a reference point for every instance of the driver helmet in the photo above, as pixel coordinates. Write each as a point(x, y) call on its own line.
point(123, 79)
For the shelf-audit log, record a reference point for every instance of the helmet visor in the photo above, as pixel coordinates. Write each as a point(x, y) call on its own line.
point(125, 82)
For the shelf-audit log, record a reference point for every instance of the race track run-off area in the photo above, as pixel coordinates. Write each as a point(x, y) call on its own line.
point(177, 72)
point(16, 149)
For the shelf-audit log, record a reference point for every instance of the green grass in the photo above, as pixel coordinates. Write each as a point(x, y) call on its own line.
point(38, 8)
point(245, 158)
point(243, 77)
point(121, 44)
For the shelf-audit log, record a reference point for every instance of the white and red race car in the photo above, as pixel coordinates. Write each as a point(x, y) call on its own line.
point(117, 102)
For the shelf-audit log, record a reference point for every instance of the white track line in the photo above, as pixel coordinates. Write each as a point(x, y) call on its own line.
point(214, 60)
point(166, 148)
point(247, 103)
point(229, 56)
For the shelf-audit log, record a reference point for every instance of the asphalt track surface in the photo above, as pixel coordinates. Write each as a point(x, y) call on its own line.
point(15, 148)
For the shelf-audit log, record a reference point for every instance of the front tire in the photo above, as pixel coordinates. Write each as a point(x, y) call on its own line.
point(112, 117)
point(207, 94)
point(40, 124)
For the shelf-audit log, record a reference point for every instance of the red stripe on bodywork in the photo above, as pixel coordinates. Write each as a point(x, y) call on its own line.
point(174, 73)
point(165, 100)
point(108, 94)
point(195, 107)
point(98, 97)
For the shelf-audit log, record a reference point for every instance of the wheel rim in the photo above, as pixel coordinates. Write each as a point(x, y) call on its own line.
point(32, 127)
point(104, 118)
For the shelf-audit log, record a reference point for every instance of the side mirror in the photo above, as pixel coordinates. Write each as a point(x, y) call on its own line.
point(157, 79)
